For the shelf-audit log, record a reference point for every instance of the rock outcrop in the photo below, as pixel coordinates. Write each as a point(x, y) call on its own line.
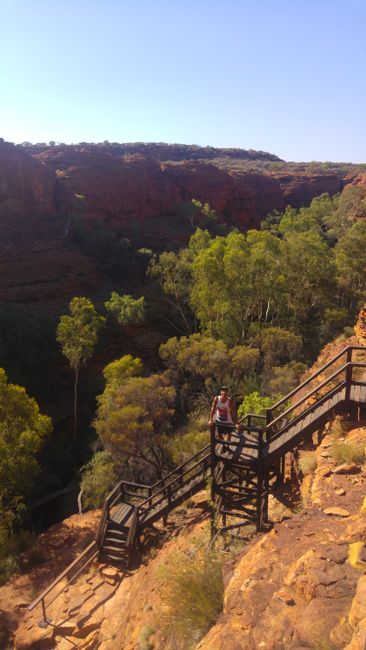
point(298, 586)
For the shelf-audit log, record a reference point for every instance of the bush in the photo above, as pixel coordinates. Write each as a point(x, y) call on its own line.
point(18, 552)
point(348, 452)
point(307, 462)
point(189, 440)
point(256, 403)
point(98, 478)
point(192, 594)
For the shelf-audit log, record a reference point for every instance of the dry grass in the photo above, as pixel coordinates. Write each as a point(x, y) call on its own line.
point(348, 452)
point(191, 593)
point(307, 462)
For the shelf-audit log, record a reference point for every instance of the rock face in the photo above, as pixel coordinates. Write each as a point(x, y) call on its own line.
point(298, 189)
point(126, 188)
point(27, 187)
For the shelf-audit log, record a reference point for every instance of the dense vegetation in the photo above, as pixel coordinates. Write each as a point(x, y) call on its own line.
point(251, 310)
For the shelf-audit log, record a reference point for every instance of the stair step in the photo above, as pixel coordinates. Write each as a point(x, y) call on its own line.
point(117, 531)
point(114, 549)
point(118, 541)
point(114, 558)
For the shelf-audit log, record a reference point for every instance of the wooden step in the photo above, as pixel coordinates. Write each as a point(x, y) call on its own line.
point(113, 549)
point(114, 558)
point(119, 542)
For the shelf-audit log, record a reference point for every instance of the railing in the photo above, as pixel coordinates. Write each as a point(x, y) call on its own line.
point(131, 537)
point(340, 379)
point(165, 491)
point(71, 572)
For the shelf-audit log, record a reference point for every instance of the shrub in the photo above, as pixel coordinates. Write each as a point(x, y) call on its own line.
point(18, 552)
point(192, 594)
point(337, 429)
point(348, 452)
point(189, 440)
point(256, 403)
point(144, 638)
point(307, 462)
point(98, 478)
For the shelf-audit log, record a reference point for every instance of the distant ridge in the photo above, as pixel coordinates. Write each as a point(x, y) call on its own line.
point(162, 151)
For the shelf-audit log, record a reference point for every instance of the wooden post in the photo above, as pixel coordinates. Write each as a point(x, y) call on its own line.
point(348, 379)
point(259, 500)
point(268, 420)
point(265, 498)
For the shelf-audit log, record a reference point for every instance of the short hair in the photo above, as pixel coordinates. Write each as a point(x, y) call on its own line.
point(224, 387)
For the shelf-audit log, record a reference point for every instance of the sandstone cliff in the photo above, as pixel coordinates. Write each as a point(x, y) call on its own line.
point(133, 191)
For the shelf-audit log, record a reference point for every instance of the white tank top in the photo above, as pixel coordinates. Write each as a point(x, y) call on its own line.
point(223, 412)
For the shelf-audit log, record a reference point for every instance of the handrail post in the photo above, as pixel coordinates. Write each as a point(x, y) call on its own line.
point(349, 373)
point(268, 421)
point(45, 621)
point(212, 450)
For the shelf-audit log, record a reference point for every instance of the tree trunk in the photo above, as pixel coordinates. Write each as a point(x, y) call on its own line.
point(76, 400)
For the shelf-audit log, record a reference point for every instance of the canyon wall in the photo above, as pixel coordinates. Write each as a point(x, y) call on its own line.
point(124, 187)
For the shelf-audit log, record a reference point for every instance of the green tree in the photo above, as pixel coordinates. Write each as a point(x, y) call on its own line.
point(98, 478)
point(199, 364)
point(23, 430)
point(257, 403)
point(126, 309)
point(118, 371)
point(174, 274)
point(78, 335)
point(350, 255)
point(133, 420)
point(278, 346)
point(351, 206)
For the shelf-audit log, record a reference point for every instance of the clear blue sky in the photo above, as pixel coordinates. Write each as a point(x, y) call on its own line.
point(285, 76)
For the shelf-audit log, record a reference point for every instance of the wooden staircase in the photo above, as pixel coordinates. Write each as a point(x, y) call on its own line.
point(242, 467)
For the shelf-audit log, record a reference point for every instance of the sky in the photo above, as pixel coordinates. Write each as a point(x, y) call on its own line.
point(284, 76)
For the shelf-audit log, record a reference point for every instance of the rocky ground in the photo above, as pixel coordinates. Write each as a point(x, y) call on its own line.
point(301, 585)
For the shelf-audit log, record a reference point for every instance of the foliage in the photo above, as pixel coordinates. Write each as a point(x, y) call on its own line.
point(334, 321)
point(348, 452)
point(23, 431)
point(19, 551)
point(199, 364)
point(238, 284)
point(78, 335)
point(126, 309)
point(307, 462)
point(174, 274)
point(278, 346)
point(351, 260)
point(98, 478)
point(133, 420)
point(118, 371)
point(191, 593)
point(196, 211)
point(257, 404)
point(282, 379)
point(188, 440)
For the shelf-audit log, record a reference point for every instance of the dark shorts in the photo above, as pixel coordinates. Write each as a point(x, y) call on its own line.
point(222, 429)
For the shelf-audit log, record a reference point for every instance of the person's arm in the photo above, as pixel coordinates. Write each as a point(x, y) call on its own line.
point(212, 412)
